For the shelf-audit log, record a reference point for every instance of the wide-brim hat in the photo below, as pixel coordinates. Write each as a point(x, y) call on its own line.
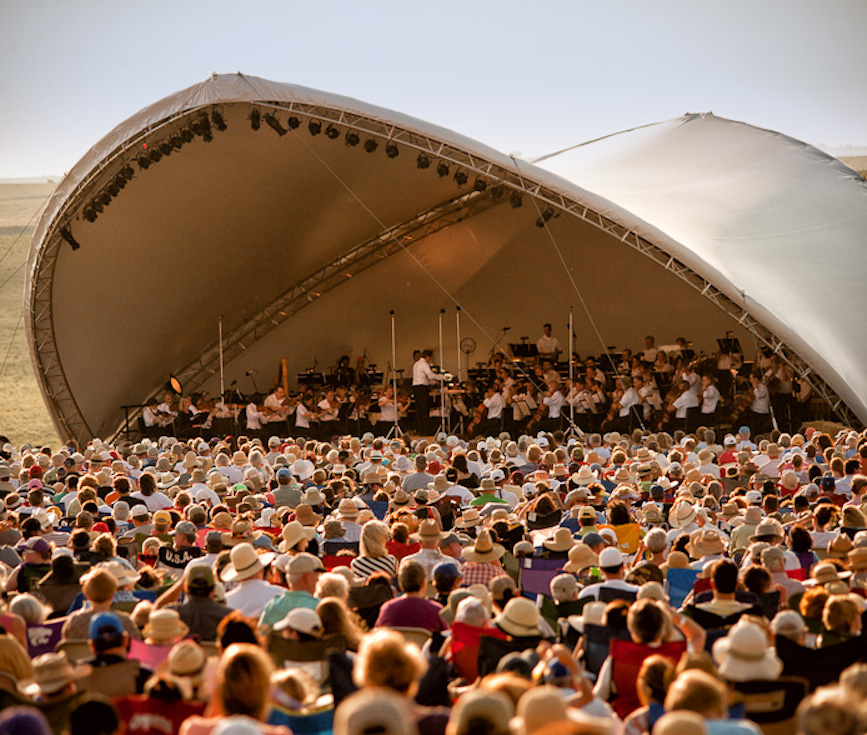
point(651, 513)
point(305, 515)
point(743, 655)
point(347, 509)
point(584, 475)
point(858, 559)
point(469, 519)
point(428, 531)
point(561, 541)
point(581, 557)
point(707, 542)
point(51, 673)
point(400, 498)
point(520, 617)
point(245, 563)
point(681, 514)
point(826, 573)
point(484, 549)
point(165, 625)
point(440, 484)
point(313, 496)
point(292, 533)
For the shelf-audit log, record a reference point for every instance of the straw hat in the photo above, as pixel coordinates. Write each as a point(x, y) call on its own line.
point(651, 513)
point(840, 546)
point(51, 673)
point(581, 556)
point(469, 519)
point(400, 498)
point(245, 563)
point(313, 496)
point(374, 710)
point(165, 625)
point(677, 560)
point(292, 533)
point(484, 549)
point(562, 540)
point(744, 655)
point(493, 708)
point(858, 559)
point(681, 514)
point(440, 484)
point(428, 531)
point(121, 572)
point(347, 509)
point(584, 475)
point(826, 573)
point(545, 705)
point(519, 618)
point(306, 517)
point(707, 542)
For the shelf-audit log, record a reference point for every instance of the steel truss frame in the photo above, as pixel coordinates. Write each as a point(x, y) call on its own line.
point(67, 414)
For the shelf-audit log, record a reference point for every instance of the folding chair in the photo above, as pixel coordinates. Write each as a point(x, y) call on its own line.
point(465, 641)
point(115, 680)
point(43, 637)
point(535, 575)
point(312, 656)
point(76, 650)
point(333, 560)
point(367, 600)
point(627, 658)
point(149, 655)
point(820, 666)
point(609, 594)
point(492, 649)
point(536, 522)
point(379, 508)
point(419, 636)
point(678, 584)
point(315, 720)
point(772, 704)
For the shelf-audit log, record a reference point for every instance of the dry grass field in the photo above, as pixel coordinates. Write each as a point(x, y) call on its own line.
point(23, 417)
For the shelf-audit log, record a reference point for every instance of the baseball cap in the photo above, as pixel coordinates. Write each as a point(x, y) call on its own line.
point(185, 528)
point(303, 563)
point(104, 625)
point(284, 474)
point(610, 557)
point(214, 538)
point(37, 544)
point(446, 571)
point(199, 575)
point(302, 620)
point(162, 518)
point(139, 511)
point(754, 497)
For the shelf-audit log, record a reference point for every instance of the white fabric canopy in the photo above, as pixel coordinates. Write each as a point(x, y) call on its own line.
point(304, 243)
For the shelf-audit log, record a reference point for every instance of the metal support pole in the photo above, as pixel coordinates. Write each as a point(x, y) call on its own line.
point(222, 377)
point(395, 430)
point(458, 325)
point(444, 423)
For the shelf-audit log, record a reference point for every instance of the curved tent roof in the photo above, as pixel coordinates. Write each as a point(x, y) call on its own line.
point(301, 219)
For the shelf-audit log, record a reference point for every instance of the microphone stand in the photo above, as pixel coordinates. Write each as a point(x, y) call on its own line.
point(395, 430)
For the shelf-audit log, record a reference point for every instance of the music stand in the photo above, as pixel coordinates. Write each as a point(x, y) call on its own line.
point(730, 346)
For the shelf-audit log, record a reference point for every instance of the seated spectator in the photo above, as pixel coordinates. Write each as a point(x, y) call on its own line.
point(98, 586)
point(412, 609)
point(841, 617)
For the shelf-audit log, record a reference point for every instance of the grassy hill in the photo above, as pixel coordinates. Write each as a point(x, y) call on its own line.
point(23, 416)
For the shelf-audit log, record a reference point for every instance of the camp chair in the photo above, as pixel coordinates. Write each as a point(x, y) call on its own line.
point(712, 621)
point(609, 594)
point(465, 648)
point(535, 575)
point(30, 574)
point(800, 574)
point(536, 522)
point(76, 650)
point(43, 637)
point(333, 560)
point(627, 658)
point(312, 656)
point(772, 704)
point(148, 654)
point(210, 648)
point(419, 636)
point(596, 647)
point(492, 648)
point(315, 720)
point(379, 508)
point(129, 549)
point(115, 680)
point(331, 548)
point(552, 612)
point(820, 666)
point(678, 583)
point(367, 600)
point(57, 596)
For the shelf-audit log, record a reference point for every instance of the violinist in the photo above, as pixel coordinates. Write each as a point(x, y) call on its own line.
point(327, 411)
point(388, 403)
point(624, 398)
point(680, 405)
point(343, 374)
point(554, 402)
point(710, 398)
point(759, 413)
point(275, 406)
point(494, 405)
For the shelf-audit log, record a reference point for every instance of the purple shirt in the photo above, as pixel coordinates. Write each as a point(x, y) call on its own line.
point(411, 612)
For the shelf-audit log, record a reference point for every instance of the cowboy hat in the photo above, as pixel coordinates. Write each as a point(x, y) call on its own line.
point(519, 618)
point(51, 673)
point(164, 626)
point(561, 541)
point(584, 475)
point(245, 563)
point(681, 514)
point(826, 573)
point(707, 542)
point(428, 531)
point(469, 519)
point(581, 556)
point(484, 549)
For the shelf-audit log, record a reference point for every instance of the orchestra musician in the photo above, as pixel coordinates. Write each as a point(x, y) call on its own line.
point(548, 345)
point(710, 398)
point(685, 400)
point(276, 405)
point(759, 414)
point(387, 403)
point(494, 405)
point(327, 413)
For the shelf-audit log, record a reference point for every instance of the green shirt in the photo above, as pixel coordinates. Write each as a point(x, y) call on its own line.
point(279, 607)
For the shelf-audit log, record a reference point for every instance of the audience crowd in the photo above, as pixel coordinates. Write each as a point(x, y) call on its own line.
point(541, 585)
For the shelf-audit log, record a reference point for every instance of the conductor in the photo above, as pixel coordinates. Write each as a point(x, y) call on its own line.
point(422, 378)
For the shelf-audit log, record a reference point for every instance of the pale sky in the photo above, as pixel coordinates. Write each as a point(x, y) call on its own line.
point(519, 76)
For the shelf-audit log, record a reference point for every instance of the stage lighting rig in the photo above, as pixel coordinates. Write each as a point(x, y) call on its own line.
point(187, 134)
point(315, 127)
point(67, 235)
point(217, 117)
point(143, 161)
point(547, 214)
point(89, 213)
point(497, 192)
point(293, 122)
point(332, 132)
point(443, 169)
point(166, 148)
point(391, 150)
point(352, 138)
point(370, 145)
point(422, 161)
point(274, 124)
point(480, 184)
point(461, 178)
point(515, 199)
point(255, 118)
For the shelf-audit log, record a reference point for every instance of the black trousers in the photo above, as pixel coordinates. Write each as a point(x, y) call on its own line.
point(421, 393)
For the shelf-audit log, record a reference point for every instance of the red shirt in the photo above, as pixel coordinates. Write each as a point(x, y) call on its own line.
point(411, 612)
point(399, 550)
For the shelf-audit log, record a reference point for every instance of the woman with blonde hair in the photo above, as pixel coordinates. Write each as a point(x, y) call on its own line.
point(243, 689)
point(338, 620)
point(373, 555)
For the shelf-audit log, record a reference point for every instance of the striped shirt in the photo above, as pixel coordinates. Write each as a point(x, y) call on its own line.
point(364, 566)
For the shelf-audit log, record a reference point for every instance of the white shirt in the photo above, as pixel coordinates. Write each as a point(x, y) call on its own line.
point(548, 345)
point(555, 404)
point(684, 401)
point(422, 374)
point(251, 596)
point(709, 399)
point(155, 502)
point(630, 398)
point(762, 400)
point(495, 405)
point(255, 418)
point(232, 474)
point(301, 414)
point(459, 491)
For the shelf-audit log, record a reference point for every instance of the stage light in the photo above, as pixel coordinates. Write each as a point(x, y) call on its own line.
point(442, 169)
point(275, 125)
point(332, 133)
point(293, 122)
point(104, 198)
point(155, 155)
point(89, 213)
point(422, 161)
point(480, 184)
point(187, 135)
point(515, 199)
point(174, 385)
point(352, 138)
point(315, 127)
point(113, 189)
point(67, 235)
point(370, 145)
point(127, 172)
point(176, 142)
point(497, 193)
point(166, 149)
point(461, 178)
point(218, 120)
point(547, 213)
point(97, 207)
point(143, 162)
point(255, 118)
point(119, 181)
point(391, 150)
